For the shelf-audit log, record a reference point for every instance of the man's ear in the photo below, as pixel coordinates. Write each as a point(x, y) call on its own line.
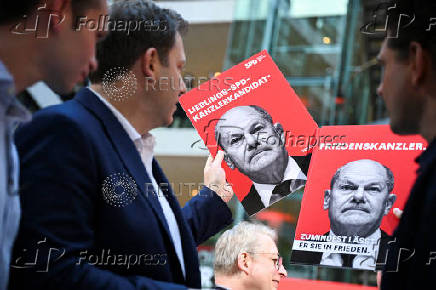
point(418, 61)
point(280, 132)
point(59, 10)
point(326, 199)
point(244, 262)
point(229, 161)
point(150, 64)
point(390, 202)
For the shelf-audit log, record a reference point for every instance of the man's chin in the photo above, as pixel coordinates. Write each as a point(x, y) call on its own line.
point(61, 89)
point(355, 228)
point(403, 128)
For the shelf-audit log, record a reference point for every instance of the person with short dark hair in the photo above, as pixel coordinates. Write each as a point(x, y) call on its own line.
point(91, 187)
point(408, 86)
point(360, 195)
point(37, 43)
point(256, 147)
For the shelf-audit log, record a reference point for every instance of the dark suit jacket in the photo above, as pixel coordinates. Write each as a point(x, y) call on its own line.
point(67, 152)
point(252, 202)
point(314, 258)
point(411, 259)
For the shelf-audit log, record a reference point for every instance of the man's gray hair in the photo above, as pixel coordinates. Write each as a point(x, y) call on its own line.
point(242, 238)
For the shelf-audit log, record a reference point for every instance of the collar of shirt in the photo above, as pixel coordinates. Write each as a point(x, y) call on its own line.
point(9, 105)
point(360, 261)
point(144, 144)
point(292, 171)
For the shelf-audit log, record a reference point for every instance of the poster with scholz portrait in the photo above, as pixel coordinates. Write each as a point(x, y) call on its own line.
point(346, 214)
point(251, 113)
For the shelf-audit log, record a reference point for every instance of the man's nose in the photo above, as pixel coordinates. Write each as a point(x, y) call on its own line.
point(380, 89)
point(358, 194)
point(183, 88)
point(282, 272)
point(252, 141)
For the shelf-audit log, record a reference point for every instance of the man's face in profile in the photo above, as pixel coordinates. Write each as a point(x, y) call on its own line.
point(403, 101)
point(359, 198)
point(70, 53)
point(252, 143)
point(264, 274)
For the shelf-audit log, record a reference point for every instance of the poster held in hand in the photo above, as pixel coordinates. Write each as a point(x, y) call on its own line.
point(251, 113)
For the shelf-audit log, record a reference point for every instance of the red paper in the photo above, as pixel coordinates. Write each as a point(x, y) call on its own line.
point(376, 143)
point(256, 81)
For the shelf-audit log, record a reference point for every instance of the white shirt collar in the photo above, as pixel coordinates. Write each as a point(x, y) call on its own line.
point(360, 261)
point(130, 130)
point(292, 171)
point(146, 141)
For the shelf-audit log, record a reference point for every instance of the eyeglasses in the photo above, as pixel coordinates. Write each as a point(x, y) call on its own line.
point(278, 262)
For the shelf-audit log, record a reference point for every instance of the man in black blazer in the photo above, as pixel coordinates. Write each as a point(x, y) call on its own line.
point(360, 195)
point(408, 59)
point(98, 212)
point(256, 147)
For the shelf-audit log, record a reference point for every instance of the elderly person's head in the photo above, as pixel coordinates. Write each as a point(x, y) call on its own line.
point(360, 196)
point(253, 143)
point(246, 257)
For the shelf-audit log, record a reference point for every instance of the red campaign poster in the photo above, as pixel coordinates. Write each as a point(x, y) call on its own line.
point(346, 213)
point(251, 113)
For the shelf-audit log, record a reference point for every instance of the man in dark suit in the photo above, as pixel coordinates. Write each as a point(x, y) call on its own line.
point(256, 147)
point(98, 212)
point(360, 195)
point(408, 58)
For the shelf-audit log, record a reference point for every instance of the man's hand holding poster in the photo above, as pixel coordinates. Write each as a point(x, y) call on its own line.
point(346, 213)
point(357, 174)
point(253, 115)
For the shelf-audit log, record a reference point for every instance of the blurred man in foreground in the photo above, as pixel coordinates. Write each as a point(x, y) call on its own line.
point(246, 257)
point(37, 42)
point(408, 86)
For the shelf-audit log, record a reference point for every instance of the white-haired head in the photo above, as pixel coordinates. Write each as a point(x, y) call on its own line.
point(242, 238)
